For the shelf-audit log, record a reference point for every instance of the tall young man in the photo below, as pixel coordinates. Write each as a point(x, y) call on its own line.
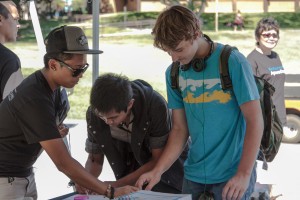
point(28, 120)
point(225, 126)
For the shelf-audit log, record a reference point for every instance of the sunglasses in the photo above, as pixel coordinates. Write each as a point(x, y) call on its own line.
point(268, 35)
point(75, 72)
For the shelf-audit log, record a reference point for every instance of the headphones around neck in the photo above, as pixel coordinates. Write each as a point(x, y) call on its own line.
point(198, 64)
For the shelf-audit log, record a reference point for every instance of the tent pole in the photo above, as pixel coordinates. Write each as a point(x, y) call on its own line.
point(96, 16)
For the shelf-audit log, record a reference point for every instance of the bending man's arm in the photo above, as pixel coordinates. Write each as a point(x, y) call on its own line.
point(131, 178)
point(176, 142)
point(93, 165)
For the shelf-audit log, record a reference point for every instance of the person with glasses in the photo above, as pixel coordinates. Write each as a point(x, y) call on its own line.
point(225, 126)
point(128, 123)
point(28, 120)
point(266, 63)
point(10, 66)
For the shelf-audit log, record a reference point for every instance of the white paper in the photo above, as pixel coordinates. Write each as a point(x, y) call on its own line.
point(140, 195)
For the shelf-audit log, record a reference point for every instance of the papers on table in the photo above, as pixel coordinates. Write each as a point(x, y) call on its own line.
point(140, 195)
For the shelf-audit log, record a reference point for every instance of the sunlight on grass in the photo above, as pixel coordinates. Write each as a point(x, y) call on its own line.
point(135, 57)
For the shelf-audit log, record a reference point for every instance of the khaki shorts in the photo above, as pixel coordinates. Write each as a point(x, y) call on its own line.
point(14, 188)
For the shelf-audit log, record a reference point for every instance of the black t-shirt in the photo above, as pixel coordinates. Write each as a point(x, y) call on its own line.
point(27, 117)
point(9, 64)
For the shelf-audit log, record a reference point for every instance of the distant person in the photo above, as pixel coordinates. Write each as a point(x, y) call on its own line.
point(129, 123)
point(266, 63)
point(58, 12)
point(28, 120)
point(238, 21)
point(225, 127)
point(10, 66)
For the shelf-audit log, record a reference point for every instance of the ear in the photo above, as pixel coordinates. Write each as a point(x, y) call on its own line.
point(130, 104)
point(52, 64)
point(198, 34)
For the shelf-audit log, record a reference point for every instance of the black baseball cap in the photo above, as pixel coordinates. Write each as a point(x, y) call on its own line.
point(68, 39)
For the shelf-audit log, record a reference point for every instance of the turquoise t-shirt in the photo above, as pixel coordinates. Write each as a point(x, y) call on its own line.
point(215, 121)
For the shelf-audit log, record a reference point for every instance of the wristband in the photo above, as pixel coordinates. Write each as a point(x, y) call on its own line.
point(110, 192)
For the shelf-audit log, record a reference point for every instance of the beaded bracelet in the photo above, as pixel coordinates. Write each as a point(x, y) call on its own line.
point(110, 191)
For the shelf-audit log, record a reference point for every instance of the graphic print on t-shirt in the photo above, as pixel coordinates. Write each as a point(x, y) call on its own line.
point(203, 91)
point(276, 70)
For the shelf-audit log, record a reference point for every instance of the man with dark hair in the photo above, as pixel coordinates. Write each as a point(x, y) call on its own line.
point(10, 67)
point(128, 123)
point(28, 120)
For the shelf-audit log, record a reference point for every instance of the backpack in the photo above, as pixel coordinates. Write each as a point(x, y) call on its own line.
point(273, 131)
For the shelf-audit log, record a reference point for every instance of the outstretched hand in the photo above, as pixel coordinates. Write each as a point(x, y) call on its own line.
point(236, 187)
point(148, 180)
point(118, 191)
point(125, 190)
point(83, 190)
point(63, 130)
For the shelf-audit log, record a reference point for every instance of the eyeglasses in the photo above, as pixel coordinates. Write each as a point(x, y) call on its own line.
point(76, 72)
point(268, 35)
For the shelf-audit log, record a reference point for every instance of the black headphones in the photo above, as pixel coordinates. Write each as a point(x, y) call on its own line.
point(198, 64)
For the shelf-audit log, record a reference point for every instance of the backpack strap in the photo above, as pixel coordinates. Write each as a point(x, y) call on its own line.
point(174, 75)
point(224, 69)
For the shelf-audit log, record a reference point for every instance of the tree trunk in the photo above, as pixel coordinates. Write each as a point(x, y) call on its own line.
point(266, 5)
point(234, 7)
point(297, 8)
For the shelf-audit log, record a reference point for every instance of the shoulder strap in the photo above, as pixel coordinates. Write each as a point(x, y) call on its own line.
point(224, 69)
point(174, 75)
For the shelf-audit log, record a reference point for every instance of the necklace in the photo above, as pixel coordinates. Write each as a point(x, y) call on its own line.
point(124, 126)
point(211, 44)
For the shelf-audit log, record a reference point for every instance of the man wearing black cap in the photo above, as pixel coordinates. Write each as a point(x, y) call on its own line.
point(28, 123)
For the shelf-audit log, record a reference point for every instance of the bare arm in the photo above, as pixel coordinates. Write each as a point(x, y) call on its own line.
point(131, 178)
point(59, 154)
point(93, 165)
point(254, 131)
point(237, 185)
point(175, 145)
